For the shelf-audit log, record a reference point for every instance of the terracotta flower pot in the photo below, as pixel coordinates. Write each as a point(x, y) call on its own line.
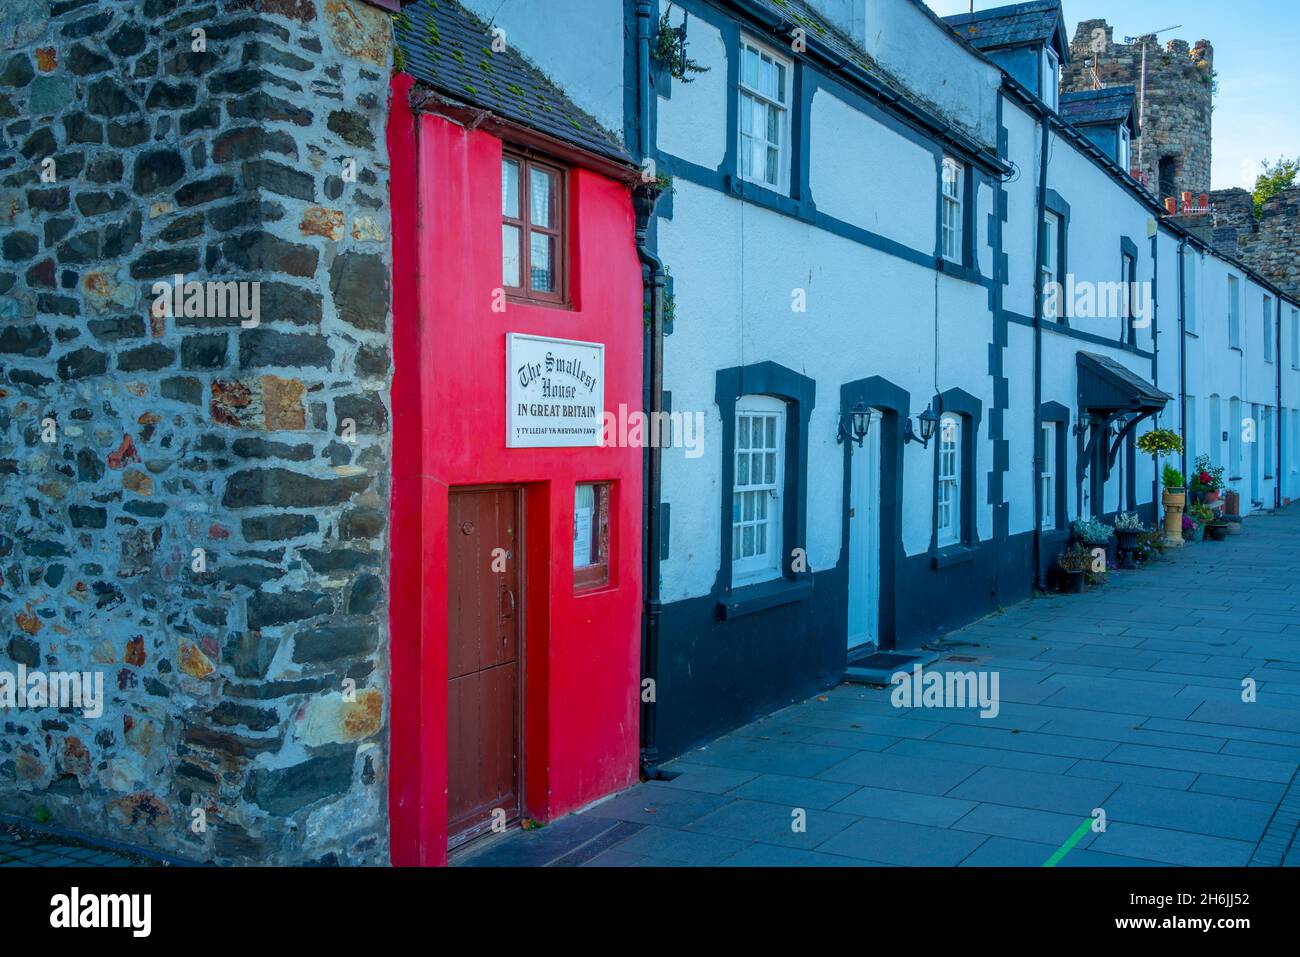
point(1217, 533)
point(1174, 497)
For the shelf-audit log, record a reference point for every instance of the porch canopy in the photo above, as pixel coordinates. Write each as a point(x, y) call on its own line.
point(1112, 395)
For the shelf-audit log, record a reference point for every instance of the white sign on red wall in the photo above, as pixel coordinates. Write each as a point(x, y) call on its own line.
point(555, 392)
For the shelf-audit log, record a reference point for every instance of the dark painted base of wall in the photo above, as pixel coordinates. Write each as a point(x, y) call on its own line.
point(716, 675)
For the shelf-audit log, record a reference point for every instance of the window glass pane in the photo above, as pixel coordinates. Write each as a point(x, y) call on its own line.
point(773, 125)
point(746, 113)
point(751, 67)
point(541, 262)
point(584, 523)
point(510, 189)
point(742, 433)
point(780, 82)
point(771, 468)
point(742, 469)
point(771, 174)
point(540, 184)
point(510, 256)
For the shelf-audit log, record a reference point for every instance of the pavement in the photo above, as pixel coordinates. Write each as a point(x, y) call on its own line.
point(1122, 739)
point(23, 845)
point(1122, 706)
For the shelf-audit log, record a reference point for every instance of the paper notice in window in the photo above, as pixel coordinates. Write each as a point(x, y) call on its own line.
point(582, 537)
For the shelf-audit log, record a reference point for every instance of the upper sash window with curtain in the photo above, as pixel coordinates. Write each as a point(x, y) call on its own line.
point(533, 254)
point(950, 219)
point(765, 95)
point(1051, 264)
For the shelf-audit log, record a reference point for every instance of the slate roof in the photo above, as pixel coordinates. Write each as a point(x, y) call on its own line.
point(838, 43)
point(446, 47)
point(1105, 384)
point(1039, 21)
point(1110, 106)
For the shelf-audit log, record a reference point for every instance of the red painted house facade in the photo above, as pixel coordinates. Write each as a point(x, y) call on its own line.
point(516, 542)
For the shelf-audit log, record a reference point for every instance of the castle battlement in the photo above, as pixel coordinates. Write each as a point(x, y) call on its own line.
point(1171, 155)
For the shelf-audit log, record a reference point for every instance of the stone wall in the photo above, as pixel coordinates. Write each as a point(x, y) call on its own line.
point(1179, 99)
point(1269, 244)
point(195, 507)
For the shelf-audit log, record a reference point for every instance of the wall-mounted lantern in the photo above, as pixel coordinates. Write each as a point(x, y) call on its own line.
point(1083, 424)
point(854, 425)
point(926, 420)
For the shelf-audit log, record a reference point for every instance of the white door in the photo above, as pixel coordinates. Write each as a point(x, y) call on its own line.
point(864, 539)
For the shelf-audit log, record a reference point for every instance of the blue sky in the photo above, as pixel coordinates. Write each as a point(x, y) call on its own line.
point(1256, 53)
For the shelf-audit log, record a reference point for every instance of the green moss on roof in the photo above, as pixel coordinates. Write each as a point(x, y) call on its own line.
point(500, 80)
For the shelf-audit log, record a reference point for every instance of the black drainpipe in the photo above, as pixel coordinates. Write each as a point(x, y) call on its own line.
point(1182, 351)
point(1277, 416)
point(652, 273)
point(1155, 362)
point(1038, 358)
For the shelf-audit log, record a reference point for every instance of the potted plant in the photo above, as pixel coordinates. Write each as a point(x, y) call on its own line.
point(1174, 498)
point(1201, 514)
point(1073, 563)
point(1151, 544)
point(1159, 442)
point(1094, 535)
point(1208, 481)
point(1092, 532)
point(1127, 529)
point(1217, 530)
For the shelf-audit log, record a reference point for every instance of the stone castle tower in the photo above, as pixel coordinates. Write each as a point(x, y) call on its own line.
point(1174, 146)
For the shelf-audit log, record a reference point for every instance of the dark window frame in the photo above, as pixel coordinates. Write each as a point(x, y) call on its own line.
point(596, 575)
point(798, 392)
point(1054, 203)
point(1128, 257)
point(969, 409)
point(1058, 417)
point(524, 293)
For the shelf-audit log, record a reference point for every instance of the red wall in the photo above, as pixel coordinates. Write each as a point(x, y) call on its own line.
point(449, 404)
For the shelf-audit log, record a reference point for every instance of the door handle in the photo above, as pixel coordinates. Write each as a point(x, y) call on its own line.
point(508, 611)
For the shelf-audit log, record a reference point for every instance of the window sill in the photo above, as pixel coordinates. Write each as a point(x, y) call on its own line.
point(1051, 535)
point(751, 599)
point(950, 555)
point(562, 306)
point(957, 270)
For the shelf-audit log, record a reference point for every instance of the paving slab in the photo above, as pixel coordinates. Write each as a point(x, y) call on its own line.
point(1127, 698)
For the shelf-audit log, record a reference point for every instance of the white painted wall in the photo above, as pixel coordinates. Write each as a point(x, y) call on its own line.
point(865, 174)
point(734, 267)
point(929, 60)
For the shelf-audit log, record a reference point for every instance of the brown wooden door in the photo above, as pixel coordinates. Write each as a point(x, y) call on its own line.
point(485, 647)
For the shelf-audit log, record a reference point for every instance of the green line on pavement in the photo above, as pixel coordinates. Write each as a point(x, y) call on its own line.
point(1065, 848)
